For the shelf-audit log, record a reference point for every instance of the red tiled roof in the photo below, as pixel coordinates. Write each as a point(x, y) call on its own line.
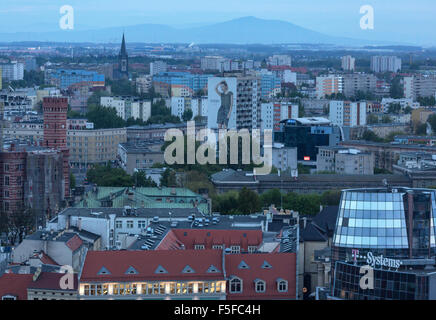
point(209, 237)
point(15, 285)
point(74, 243)
point(147, 262)
point(45, 259)
point(283, 267)
point(170, 242)
point(51, 281)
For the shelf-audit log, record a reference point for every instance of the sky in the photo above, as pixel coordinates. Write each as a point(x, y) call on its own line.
point(395, 20)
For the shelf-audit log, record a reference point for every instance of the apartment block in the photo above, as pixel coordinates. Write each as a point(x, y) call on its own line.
point(385, 64)
point(344, 160)
point(327, 85)
point(94, 146)
point(128, 107)
point(347, 113)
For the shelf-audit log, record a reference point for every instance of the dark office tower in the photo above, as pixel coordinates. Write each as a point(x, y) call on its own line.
point(123, 61)
point(55, 131)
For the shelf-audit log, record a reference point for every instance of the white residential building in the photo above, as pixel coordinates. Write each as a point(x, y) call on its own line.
point(385, 64)
point(157, 67)
point(348, 63)
point(347, 114)
point(280, 60)
point(128, 107)
point(12, 71)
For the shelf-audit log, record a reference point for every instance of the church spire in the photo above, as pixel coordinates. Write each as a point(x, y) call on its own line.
point(123, 46)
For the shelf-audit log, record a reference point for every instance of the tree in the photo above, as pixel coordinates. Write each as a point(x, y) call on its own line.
point(187, 115)
point(421, 129)
point(273, 196)
point(141, 180)
point(396, 90)
point(369, 135)
point(331, 198)
point(168, 178)
point(427, 101)
point(107, 176)
point(394, 108)
point(94, 99)
point(386, 119)
point(72, 181)
point(248, 201)
point(372, 119)
point(432, 121)
point(122, 87)
point(104, 118)
point(161, 114)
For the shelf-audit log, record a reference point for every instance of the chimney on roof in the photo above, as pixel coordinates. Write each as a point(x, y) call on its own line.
point(37, 274)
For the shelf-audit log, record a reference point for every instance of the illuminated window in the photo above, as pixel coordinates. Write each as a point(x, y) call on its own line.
point(105, 289)
point(218, 287)
point(116, 289)
point(86, 287)
point(172, 288)
point(162, 288)
point(190, 288)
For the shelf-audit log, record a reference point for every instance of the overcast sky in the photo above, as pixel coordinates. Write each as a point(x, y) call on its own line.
point(398, 20)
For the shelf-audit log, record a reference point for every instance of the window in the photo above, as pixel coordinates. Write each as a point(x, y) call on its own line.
point(129, 224)
point(282, 286)
point(118, 224)
point(252, 249)
point(217, 247)
point(6, 167)
point(6, 180)
point(199, 247)
point(235, 249)
point(141, 224)
point(6, 193)
point(235, 285)
point(260, 285)
point(9, 297)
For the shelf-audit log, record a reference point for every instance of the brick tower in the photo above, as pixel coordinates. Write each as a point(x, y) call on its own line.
point(55, 131)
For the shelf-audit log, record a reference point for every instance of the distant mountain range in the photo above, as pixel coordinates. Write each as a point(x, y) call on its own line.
point(246, 30)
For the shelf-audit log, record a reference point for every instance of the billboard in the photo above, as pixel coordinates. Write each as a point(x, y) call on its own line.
point(221, 103)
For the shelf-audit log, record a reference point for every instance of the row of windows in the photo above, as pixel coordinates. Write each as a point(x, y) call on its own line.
point(371, 223)
point(372, 232)
point(236, 285)
point(383, 242)
point(372, 214)
point(154, 288)
point(372, 205)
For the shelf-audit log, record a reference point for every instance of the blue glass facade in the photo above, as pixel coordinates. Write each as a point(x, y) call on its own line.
point(394, 225)
point(65, 78)
point(194, 82)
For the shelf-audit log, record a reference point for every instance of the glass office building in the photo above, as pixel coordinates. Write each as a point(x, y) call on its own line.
point(393, 231)
point(306, 134)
